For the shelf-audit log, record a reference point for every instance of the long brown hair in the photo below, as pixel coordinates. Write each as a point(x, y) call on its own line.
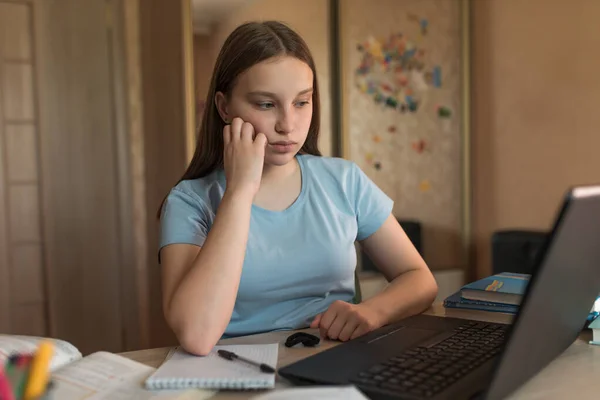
point(249, 44)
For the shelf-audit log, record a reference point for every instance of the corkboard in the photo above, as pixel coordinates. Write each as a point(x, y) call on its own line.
point(401, 94)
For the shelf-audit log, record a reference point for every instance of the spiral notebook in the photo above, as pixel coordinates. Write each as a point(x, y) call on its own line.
point(182, 370)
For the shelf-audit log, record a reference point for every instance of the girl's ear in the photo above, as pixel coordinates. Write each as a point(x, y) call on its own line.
point(222, 107)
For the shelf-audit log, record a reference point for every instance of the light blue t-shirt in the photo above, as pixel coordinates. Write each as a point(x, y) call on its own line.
point(298, 261)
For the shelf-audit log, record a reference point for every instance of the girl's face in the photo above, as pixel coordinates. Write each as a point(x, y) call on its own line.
point(275, 96)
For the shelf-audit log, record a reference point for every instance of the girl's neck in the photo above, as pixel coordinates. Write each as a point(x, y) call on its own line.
point(274, 173)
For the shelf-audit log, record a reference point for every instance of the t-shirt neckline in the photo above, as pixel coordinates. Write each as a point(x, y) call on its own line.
point(299, 200)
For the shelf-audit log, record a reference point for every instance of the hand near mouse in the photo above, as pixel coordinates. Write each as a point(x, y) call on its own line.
point(344, 321)
point(244, 156)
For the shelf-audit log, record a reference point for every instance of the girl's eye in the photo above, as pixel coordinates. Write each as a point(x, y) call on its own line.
point(302, 103)
point(265, 106)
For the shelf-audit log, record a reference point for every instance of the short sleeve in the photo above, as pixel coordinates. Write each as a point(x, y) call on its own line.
point(371, 205)
point(185, 219)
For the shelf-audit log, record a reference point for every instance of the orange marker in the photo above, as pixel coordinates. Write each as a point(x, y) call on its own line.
point(40, 371)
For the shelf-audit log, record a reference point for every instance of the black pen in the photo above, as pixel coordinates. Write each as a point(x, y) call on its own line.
point(232, 356)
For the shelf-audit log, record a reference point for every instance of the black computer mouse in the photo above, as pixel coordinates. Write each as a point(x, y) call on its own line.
point(302, 337)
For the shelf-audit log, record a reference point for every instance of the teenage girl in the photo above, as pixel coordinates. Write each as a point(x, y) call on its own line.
point(259, 233)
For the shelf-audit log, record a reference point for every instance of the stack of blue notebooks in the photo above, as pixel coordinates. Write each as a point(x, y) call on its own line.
point(498, 293)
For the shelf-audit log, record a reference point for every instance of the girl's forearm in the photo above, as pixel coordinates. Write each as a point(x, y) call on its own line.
point(408, 294)
point(202, 304)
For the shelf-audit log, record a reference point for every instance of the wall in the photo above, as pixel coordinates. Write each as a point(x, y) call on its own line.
point(311, 20)
point(23, 306)
point(164, 120)
point(93, 122)
point(134, 110)
point(535, 111)
point(383, 129)
point(84, 174)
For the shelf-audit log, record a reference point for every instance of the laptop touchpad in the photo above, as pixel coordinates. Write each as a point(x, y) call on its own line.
point(402, 337)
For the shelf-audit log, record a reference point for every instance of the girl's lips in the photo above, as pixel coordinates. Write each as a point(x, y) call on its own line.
point(284, 142)
point(283, 147)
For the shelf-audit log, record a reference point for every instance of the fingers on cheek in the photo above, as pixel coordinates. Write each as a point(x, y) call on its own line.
point(247, 131)
point(236, 127)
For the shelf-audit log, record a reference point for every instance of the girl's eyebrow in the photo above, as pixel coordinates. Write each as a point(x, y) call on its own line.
point(273, 95)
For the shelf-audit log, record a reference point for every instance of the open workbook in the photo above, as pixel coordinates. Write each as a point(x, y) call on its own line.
point(100, 375)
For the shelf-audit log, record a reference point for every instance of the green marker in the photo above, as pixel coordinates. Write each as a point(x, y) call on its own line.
point(12, 375)
point(21, 367)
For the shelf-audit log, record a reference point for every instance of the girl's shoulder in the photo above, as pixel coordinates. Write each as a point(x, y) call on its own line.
point(202, 192)
point(338, 175)
point(334, 167)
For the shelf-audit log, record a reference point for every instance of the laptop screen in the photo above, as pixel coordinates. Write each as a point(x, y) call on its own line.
point(562, 290)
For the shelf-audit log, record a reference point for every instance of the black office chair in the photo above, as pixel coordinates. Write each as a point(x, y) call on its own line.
point(515, 250)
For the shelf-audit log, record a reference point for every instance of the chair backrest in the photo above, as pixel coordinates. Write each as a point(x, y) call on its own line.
point(357, 291)
point(515, 250)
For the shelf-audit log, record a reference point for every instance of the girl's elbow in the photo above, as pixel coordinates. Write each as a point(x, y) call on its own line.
point(196, 343)
point(196, 339)
point(433, 290)
point(193, 338)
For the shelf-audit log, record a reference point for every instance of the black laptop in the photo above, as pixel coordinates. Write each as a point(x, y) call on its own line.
point(433, 357)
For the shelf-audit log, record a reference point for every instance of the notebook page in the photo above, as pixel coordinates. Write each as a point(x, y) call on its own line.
point(101, 375)
point(182, 365)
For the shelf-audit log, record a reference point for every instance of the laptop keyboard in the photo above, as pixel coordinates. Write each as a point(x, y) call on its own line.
point(426, 371)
